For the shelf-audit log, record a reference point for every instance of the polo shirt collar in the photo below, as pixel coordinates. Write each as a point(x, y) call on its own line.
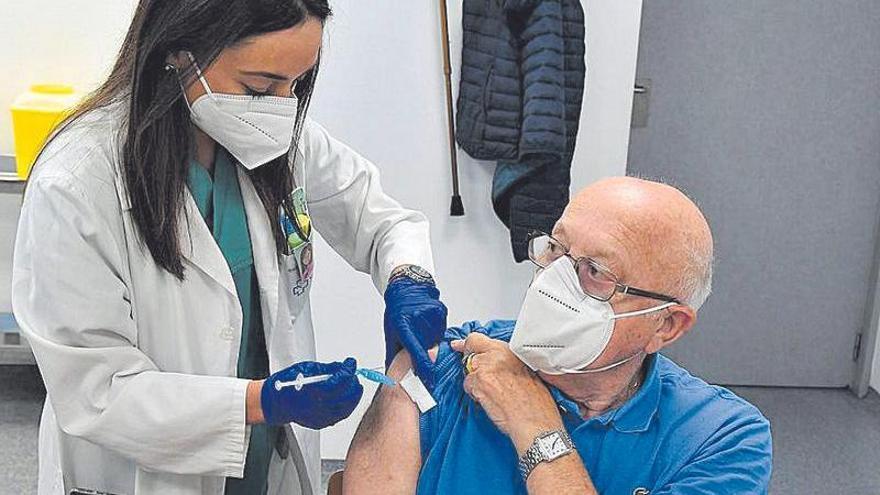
point(635, 415)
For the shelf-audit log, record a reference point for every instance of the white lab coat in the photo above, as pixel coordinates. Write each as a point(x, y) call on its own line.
point(140, 367)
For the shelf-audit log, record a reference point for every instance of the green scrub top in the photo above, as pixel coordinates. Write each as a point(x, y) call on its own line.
point(220, 203)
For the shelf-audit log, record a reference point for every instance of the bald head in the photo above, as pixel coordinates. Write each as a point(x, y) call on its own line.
point(650, 234)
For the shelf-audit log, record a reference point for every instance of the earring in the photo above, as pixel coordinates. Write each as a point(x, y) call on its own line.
point(170, 67)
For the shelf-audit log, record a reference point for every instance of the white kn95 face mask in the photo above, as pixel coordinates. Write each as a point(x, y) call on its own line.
point(562, 330)
point(253, 129)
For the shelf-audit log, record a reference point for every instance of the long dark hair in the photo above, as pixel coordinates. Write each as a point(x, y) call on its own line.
point(157, 138)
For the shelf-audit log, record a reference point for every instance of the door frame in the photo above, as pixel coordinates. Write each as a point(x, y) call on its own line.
point(868, 344)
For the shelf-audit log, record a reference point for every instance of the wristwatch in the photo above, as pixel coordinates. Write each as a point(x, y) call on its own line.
point(413, 272)
point(547, 447)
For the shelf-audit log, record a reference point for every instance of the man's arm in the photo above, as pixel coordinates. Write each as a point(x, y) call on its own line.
point(385, 456)
point(565, 475)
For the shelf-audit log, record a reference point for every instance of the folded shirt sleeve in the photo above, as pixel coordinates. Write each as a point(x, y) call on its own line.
point(449, 391)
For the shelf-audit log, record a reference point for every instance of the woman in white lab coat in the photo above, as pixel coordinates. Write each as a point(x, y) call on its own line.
point(163, 260)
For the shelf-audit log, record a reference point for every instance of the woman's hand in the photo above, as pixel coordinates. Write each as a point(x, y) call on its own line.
point(415, 319)
point(515, 399)
point(316, 405)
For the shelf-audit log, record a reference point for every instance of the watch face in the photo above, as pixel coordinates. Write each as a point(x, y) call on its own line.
point(552, 446)
point(420, 272)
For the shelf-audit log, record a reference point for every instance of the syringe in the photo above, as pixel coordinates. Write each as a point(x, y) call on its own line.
point(369, 374)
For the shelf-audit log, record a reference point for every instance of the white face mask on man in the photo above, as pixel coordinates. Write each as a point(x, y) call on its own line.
point(254, 130)
point(562, 330)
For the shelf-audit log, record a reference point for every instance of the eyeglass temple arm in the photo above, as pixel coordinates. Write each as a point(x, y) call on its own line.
point(626, 289)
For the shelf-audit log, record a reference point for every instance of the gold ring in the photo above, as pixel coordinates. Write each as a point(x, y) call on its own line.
point(467, 360)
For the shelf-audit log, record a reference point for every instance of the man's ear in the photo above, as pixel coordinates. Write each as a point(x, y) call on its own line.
point(678, 321)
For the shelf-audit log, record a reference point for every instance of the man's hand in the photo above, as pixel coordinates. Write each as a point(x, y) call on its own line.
point(515, 399)
point(521, 406)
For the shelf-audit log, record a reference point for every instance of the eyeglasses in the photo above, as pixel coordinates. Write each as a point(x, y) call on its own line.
point(596, 280)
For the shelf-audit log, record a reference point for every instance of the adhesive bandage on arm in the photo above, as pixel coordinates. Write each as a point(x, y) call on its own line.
point(417, 392)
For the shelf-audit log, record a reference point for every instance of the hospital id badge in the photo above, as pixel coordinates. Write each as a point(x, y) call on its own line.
point(296, 224)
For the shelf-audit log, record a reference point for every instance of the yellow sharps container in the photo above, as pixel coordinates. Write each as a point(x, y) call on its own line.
point(34, 115)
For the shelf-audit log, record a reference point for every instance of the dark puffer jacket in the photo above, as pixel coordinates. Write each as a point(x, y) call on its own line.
point(520, 98)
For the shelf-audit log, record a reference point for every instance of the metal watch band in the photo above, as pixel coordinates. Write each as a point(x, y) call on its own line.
point(528, 462)
point(413, 272)
point(534, 456)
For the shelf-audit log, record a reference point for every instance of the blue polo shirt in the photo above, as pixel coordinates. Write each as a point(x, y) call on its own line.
point(676, 435)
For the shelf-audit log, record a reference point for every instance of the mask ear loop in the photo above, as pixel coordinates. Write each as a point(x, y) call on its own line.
point(644, 311)
point(199, 74)
point(603, 368)
point(623, 361)
point(170, 67)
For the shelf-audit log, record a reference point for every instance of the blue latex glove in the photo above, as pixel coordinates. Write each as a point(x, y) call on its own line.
point(415, 319)
point(316, 405)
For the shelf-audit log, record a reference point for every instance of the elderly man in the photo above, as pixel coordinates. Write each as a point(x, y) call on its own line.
point(573, 397)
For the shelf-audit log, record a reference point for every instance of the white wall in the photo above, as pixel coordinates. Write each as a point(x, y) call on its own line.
point(72, 42)
point(382, 92)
